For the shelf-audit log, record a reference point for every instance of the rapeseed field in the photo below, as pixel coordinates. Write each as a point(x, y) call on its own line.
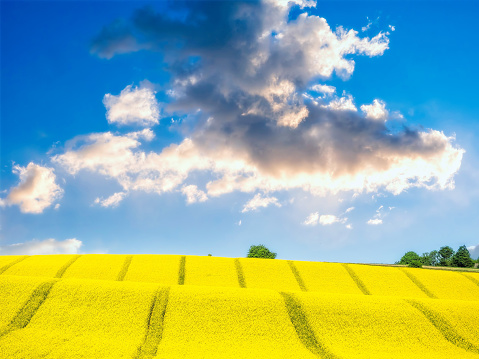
point(171, 306)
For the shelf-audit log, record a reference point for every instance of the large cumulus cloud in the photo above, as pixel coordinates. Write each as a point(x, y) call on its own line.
point(243, 73)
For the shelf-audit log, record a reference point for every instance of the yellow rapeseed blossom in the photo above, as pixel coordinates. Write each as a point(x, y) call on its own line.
point(7, 260)
point(161, 269)
point(382, 280)
point(14, 292)
point(96, 266)
point(326, 277)
point(40, 265)
point(269, 274)
point(214, 271)
point(360, 326)
point(462, 316)
point(85, 319)
point(214, 322)
point(446, 284)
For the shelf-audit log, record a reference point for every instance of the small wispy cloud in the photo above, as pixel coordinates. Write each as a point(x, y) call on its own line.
point(378, 217)
point(47, 246)
point(193, 194)
point(259, 201)
point(112, 201)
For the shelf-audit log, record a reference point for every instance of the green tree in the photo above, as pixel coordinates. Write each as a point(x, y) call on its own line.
point(430, 258)
point(411, 259)
point(445, 255)
point(260, 251)
point(462, 258)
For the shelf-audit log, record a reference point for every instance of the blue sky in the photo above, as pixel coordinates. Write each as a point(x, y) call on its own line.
point(336, 131)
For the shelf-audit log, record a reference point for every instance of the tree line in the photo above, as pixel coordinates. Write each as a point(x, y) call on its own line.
point(444, 257)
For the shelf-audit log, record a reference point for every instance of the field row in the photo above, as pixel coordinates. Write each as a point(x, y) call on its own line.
point(278, 275)
point(60, 318)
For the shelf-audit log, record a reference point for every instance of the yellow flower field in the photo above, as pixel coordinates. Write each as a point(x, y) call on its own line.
point(387, 281)
point(269, 274)
point(211, 271)
point(326, 277)
point(154, 268)
point(85, 318)
point(96, 266)
point(375, 327)
point(214, 322)
point(446, 284)
point(14, 292)
point(42, 265)
point(171, 306)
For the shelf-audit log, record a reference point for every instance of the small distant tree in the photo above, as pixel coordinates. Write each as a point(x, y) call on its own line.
point(462, 258)
point(260, 251)
point(445, 255)
point(411, 259)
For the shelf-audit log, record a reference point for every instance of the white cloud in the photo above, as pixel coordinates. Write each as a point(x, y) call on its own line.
point(345, 103)
point(324, 89)
point(378, 217)
point(349, 226)
point(112, 201)
point(312, 220)
point(328, 219)
point(376, 111)
point(375, 221)
point(47, 246)
point(193, 194)
point(36, 191)
point(146, 134)
point(134, 106)
point(474, 251)
point(259, 201)
point(393, 28)
point(349, 210)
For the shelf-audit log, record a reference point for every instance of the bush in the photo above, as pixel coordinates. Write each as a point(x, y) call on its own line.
point(260, 251)
point(409, 258)
point(415, 264)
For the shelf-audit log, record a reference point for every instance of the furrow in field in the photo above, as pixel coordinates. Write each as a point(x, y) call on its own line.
point(225, 322)
point(8, 261)
point(62, 270)
point(303, 328)
point(326, 277)
point(357, 280)
point(97, 266)
point(446, 284)
point(85, 319)
point(240, 274)
point(419, 284)
point(124, 269)
point(446, 328)
point(30, 307)
point(15, 291)
point(181, 271)
point(369, 326)
point(471, 278)
point(388, 281)
point(155, 325)
point(40, 265)
point(297, 276)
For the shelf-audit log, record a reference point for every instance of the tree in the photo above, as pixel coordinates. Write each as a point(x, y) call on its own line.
point(462, 258)
point(260, 251)
point(445, 254)
point(430, 258)
point(412, 259)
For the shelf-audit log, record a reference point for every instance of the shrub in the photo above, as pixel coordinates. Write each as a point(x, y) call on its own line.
point(260, 251)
